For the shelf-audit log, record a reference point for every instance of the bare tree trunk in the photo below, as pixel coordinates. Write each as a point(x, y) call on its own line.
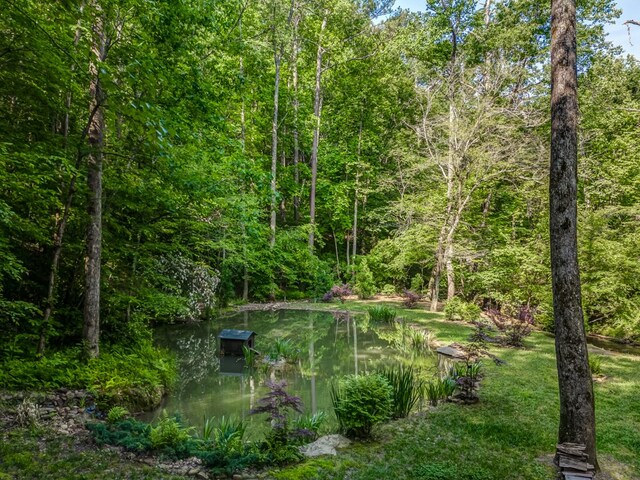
point(91, 330)
point(577, 407)
point(445, 238)
point(317, 110)
point(451, 283)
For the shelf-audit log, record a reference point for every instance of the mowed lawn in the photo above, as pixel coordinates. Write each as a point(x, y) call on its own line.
point(510, 434)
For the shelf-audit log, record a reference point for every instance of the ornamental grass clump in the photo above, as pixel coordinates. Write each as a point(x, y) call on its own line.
point(382, 313)
point(360, 402)
point(407, 388)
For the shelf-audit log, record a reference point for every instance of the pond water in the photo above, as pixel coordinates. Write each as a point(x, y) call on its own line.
point(329, 345)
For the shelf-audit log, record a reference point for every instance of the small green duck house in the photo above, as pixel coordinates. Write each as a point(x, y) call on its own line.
point(232, 341)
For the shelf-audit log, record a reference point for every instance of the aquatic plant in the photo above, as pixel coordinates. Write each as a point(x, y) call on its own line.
point(284, 349)
point(250, 356)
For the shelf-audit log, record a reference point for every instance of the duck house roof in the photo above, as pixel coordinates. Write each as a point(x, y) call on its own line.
point(230, 334)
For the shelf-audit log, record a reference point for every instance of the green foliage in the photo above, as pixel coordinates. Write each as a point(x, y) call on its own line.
point(250, 356)
point(226, 434)
point(364, 285)
point(117, 414)
point(310, 423)
point(169, 433)
point(360, 402)
point(595, 365)
point(130, 434)
point(283, 349)
point(457, 309)
point(417, 283)
point(448, 471)
point(382, 313)
point(407, 388)
point(134, 377)
point(439, 389)
point(408, 338)
point(388, 290)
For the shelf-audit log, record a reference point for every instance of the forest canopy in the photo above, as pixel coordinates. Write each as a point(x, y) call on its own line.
point(237, 150)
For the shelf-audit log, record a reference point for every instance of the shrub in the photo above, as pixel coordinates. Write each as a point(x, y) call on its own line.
point(169, 433)
point(28, 414)
point(117, 414)
point(388, 290)
point(360, 402)
point(417, 283)
point(411, 299)
point(457, 309)
point(339, 292)
point(364, 287)
point(279, 446)
point(513, 330)
point(466, 377)
point(382, 313)
point(407, 388)
point(130, 434)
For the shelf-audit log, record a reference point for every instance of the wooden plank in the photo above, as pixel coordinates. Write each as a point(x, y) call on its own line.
point(574, 464)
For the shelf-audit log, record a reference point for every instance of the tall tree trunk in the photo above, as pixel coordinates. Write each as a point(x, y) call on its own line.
point(577, 407)
point(91, 330)
point(295, 45)
point(445, 238)
point(317, 110)
point(355, 195)
point(274, 130)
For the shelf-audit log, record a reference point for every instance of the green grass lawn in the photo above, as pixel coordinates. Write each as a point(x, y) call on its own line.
point(508, 435)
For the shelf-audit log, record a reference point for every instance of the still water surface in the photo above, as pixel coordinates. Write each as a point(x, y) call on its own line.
point(329, 345)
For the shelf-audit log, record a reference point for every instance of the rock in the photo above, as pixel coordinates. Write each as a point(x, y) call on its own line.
point(324, 446)
point(202, 475)
point(193, 471)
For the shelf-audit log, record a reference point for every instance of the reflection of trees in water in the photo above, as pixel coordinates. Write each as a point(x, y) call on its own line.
point(197, 358)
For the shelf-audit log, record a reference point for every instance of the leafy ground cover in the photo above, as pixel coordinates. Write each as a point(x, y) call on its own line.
point(510, 433)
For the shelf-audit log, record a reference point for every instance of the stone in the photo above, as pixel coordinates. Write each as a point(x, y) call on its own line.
point(326, 445)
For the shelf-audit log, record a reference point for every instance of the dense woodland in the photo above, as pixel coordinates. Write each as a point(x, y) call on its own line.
point(159, 159)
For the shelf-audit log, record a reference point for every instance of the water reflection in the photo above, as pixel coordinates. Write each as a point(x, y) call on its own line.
point(329, 345)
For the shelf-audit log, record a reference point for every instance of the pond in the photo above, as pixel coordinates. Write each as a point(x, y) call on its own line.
point(329, 345)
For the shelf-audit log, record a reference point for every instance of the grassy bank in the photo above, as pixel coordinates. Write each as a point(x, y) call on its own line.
point(511, 433)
